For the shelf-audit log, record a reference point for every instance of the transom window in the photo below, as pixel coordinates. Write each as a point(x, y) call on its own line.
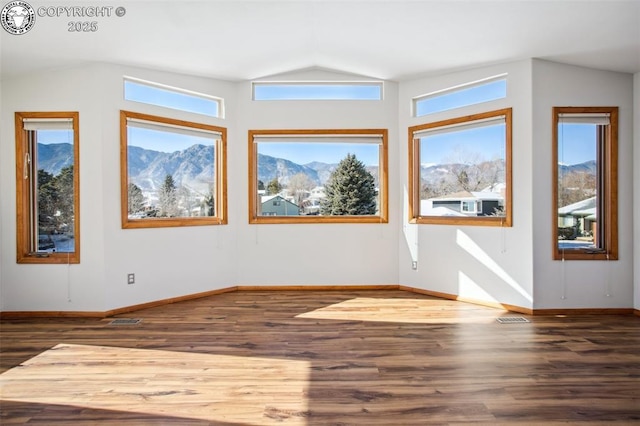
point(48, 182)
point(585, 159)
point(172, 97)
point(284, 91)
point(472, 93)
point(460, 170)
point(318, 176)
point(173, 172)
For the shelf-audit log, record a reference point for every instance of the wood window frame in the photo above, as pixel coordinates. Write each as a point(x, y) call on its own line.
point(383, 210)
point(26, 169)
point(414, 173)
point(220, 216)
point(607, 204)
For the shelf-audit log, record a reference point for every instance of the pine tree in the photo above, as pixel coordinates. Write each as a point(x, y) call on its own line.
point(64, 184)
point(274, 187)
point(350, 190)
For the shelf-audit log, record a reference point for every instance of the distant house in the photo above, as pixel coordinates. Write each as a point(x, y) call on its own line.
point(311, 204)
point(276, 205)
point(464, 203)
point(581, 216)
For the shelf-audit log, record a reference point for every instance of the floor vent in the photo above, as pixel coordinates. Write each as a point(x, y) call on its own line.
point(511, 320)
point(125, 321)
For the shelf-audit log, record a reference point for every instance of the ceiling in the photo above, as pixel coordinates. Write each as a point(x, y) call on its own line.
point(391, 40)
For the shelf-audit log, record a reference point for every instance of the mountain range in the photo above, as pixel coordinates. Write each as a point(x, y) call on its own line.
point(193, 166)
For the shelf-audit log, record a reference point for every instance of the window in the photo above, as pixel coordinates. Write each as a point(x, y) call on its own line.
point(173, 172)
point(585, 168)
point(318, 176)
point(47, 186)
point(476, 92)
point(460, 170)
point(283, 91)
point(172, 97)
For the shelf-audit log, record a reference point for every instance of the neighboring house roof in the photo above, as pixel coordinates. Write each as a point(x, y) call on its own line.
point(581, 208)
point(425, 210)
point(466, 195)
point(267, 198)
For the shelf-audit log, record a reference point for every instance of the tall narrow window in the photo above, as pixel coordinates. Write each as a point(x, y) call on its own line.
point(460, 170)
point(173, 172)
point(585, 197)
point(47, 190)
point(318, 176)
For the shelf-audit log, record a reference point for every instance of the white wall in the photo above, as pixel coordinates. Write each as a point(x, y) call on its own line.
point(585, 284)
point(55, 287)
point(509, 265)
point(167, 262)
point(171, 262)
point(636, 189)
point(332, 254)
point(475, 262)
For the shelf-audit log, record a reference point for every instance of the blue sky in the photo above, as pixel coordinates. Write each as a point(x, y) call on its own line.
point(170, 99)
point(47, 137)
point(487, 142)
point(265, 92)
point(164, 141)
point(462, 97)
point(577, 141)
point(331, 153)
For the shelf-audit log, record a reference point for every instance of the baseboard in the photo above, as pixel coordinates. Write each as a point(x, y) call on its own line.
point(496, 305)
point(169, 301)
point(315, 287)
point(112, 312)
point(584, 311)
point(51, 314)
point(440, 295)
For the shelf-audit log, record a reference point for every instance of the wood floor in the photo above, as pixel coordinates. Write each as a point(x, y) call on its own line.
point(321, 358)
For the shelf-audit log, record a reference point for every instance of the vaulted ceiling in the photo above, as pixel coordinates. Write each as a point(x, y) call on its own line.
point(239, 40)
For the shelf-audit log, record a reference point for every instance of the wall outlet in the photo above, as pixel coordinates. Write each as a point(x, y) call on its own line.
point(131, 278)
point(414, 265)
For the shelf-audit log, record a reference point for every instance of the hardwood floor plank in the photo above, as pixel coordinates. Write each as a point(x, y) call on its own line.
point(362, 357)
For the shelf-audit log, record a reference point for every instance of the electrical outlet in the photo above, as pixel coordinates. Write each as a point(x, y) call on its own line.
point(131, 278)
point(414, 265)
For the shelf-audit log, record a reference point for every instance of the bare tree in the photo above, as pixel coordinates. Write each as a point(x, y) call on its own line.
point(298, 185)
point(576, 186)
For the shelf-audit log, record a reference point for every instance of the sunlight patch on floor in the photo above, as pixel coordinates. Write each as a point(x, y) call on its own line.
point(243, 390)
point(421, 311)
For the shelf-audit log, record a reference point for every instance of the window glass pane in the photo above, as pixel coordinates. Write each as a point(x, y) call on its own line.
point(315, 178)
point(464, 96)
point(55, 198)
point(577, 185)
point(585, 169)
point(171, 98)
point(461, 169)
point(170, 174)
point(317, 91)
point(318, 176)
